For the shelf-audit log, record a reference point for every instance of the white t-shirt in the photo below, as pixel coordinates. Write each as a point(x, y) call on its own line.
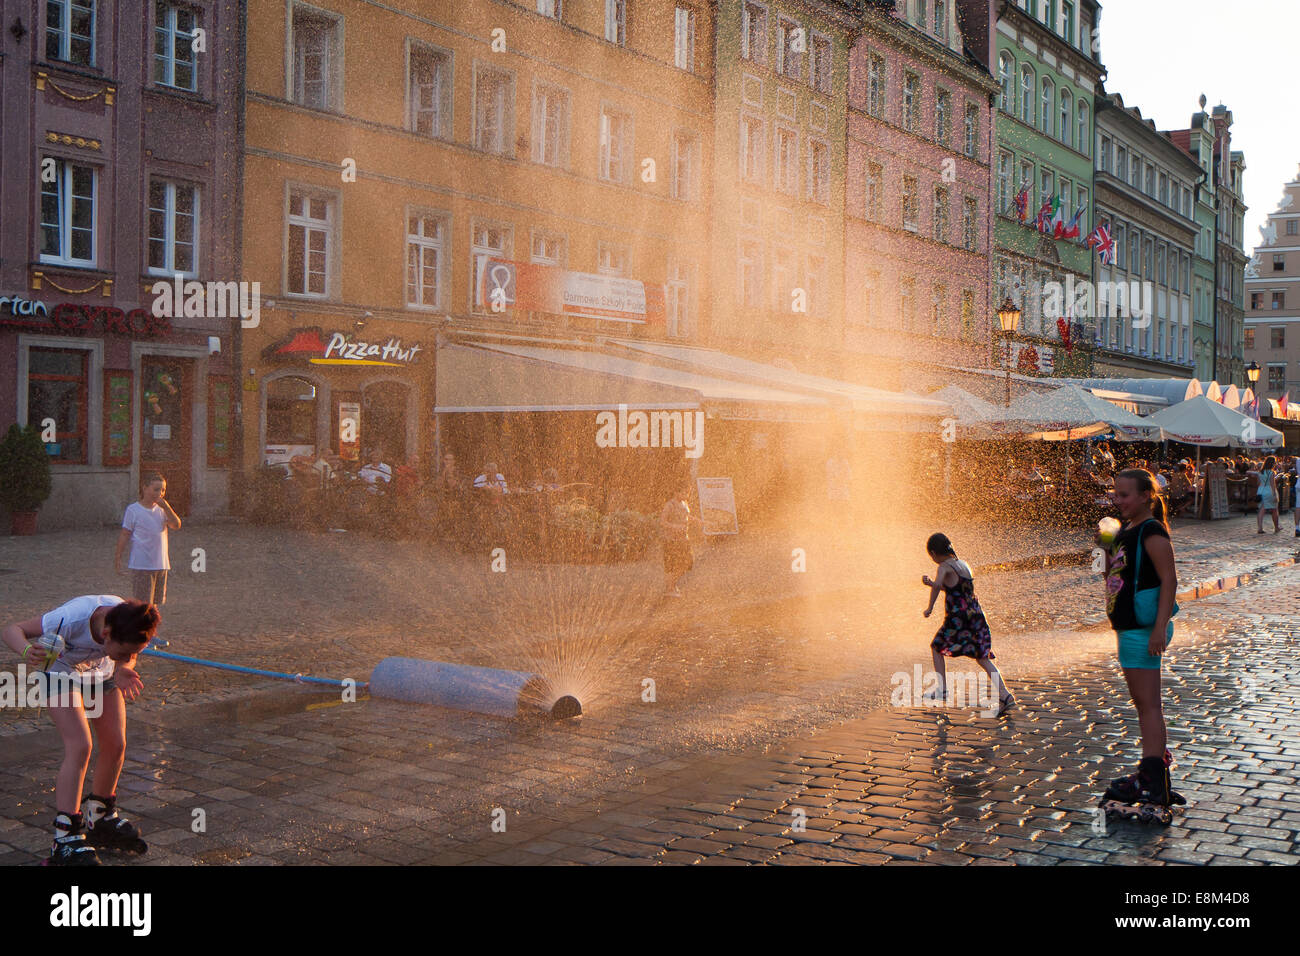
point(148, 527)
point(377, 472)
point(71, 621)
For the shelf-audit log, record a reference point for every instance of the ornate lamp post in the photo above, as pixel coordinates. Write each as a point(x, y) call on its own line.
point(1009, 319)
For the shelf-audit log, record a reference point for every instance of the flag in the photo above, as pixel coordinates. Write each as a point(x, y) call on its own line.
point(1057, 223)
point(1045, 213)
point(1281, 404)
point(1072, 230)
point(1100, 239)
point(1022, 204)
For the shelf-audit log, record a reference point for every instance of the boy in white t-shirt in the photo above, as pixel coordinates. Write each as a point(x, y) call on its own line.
point(87, 686)
point(144, 529)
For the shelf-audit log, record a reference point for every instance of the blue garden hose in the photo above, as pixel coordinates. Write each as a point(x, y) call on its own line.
point(297, 678)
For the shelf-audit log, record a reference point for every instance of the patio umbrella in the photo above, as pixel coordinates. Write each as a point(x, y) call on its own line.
point(1201, 421)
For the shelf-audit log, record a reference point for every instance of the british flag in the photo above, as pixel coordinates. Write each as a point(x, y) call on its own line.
point(1101, 240)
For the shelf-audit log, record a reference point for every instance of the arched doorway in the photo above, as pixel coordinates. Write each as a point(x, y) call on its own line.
point(291, 414)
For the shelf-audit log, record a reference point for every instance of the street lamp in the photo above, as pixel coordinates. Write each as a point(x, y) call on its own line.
point(1252, 373)
point(1009, 319)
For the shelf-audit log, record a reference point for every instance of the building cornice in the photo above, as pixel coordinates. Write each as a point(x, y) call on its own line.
point(1047, 39)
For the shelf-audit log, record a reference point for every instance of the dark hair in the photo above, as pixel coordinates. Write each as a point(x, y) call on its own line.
point(133, 622)
point(1147, 482)
point(148, 478)
point(1270, 462)
point(938, 543)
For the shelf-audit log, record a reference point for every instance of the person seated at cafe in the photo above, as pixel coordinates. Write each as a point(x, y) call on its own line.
point(491, 480)
point(1104, 457)
point(406, 480)
point(1181, 489)
point(449, 478)
point(375, 471)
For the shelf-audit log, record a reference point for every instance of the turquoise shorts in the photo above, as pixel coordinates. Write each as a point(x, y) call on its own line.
point(1133, 648)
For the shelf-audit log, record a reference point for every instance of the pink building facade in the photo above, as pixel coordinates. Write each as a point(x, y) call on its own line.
point(917, 216)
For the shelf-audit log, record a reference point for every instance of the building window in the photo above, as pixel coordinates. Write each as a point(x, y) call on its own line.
point(937, 295)
point(548, 249)
point(684, 39)
point(1277, 379)
point(911, 101)
point(940, 214)
point(972, 130)
point(681, 279)
point(875, 192)
point(57, 388)
point(1256, 300)
point(1027, 95)
point(753, 33)
point(787, 160)
point(1067, 106)
point(943, 118)
point(911, 204)
point(611, 259)
point(790, 44)
point(68, 214)
point(1106, 155)
point(173, 227)
point(685, 163)
point(487, 241)
point(551, 126)
point(314, 45)
point(1006, 72)
point(970, 224)
point(291, 412)
point(70, 31)
point(425, 257)
point(311, 225)
point(430, 95)
point(550, 8)
point(1279, 301)
point(876, 85)
point(1164, 189)
point(173, 46)
point(1048, 112)
point(1067, 22)
point(494, 119)
point(1250, 338)
point(1279, 263)
point(1004, 182)
point(1292, 227)
point(821, 64)
point(907, 302)
point(1082, 138)
point(819, 171)
point(941, 19)
point(967, 314)
point(616, 21)
point(751, 149)
point(750, 274)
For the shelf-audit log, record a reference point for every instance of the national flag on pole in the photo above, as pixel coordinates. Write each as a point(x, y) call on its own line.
point(1057, 223)
point(1281, 404)
point(1022, 204)
point(1046, 215)
point(1071, 230)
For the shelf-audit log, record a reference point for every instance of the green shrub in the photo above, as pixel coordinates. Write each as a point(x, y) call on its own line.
point(24, 469)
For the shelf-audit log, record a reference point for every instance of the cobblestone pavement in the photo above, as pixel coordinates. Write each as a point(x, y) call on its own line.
point(714, 774)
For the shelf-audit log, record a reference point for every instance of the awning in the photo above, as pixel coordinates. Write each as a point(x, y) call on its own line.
point(862, 398)
point(501, 377)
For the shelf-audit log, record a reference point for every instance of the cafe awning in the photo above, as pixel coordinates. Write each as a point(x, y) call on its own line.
point(510, 377)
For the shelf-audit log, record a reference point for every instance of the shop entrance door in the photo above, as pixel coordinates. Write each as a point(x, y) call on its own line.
point(166, 415)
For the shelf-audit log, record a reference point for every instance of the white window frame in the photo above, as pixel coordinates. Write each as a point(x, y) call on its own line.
point(750, 153)
point(478, 249)
point(169, 228)
point(612, 168)
point(971, 130)
point(747, 31)
point(543, 258)
point(173, 34)
point(819, 181)
point(911, 105)
point(679, 292)
point(332, 30)
point(64, 30)
point(424, 244)
point(445, 72)
point(551, 9)
point(613, 259)
point(505, 134)
point(686, 145)
point(64, 171)
point(786, 56)
point(877, 85)
point(329, 226)
point(821, 65)
point(873, 198)
point(785, 163)
point(684, 38)
point(543, 96)
point(616, 22)
point(943, 130)
point(1028, 83)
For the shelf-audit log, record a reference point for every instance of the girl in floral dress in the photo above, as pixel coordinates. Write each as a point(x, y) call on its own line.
point(965, 632)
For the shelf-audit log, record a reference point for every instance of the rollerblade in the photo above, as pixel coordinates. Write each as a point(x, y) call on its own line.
point(70, 847)
point(107, 830)
point(1145, 797)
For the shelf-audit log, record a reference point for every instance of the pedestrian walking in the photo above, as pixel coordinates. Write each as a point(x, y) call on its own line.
point(675, 524)
point(1266, 493)
point(90, 645)
point(964, 632)
point(144, 531)
point(1141, 582)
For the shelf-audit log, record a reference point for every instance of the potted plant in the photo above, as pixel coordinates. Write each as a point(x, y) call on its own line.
point(24, 476)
